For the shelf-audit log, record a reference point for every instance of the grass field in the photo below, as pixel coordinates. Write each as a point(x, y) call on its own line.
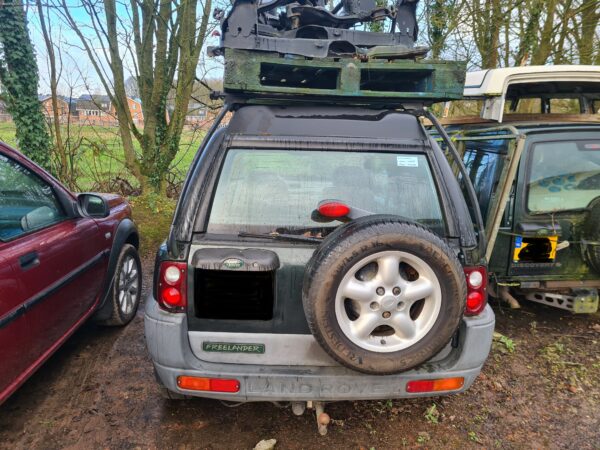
point(99, 162)
point(99, 159)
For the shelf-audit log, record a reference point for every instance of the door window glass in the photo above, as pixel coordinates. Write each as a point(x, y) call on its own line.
point(563, 175)
point(484, 161)
point(26, 202)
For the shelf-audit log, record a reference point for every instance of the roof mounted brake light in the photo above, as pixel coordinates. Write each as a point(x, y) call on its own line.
point(333, 209)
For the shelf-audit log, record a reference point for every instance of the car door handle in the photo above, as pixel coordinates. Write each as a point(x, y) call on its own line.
point(29, 260)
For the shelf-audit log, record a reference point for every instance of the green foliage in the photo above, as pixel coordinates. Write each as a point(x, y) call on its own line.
point(473, 437)
point(423, 437)
point(506, 343)
point(152, 214)
point(19, 77)
point(99, 161)
point(437, 23)
point(432, 414)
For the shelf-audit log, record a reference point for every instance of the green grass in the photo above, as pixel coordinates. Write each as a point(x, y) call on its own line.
point(153, 215)
point(99, 162)
point(99, 159)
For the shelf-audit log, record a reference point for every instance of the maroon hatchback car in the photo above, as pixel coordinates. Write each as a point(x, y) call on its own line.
point(63, 258)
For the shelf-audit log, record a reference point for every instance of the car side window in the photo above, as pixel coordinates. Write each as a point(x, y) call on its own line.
point(27, 202)
point(484, 161)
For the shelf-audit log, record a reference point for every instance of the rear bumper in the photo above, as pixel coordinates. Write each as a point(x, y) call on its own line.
point(169, 347)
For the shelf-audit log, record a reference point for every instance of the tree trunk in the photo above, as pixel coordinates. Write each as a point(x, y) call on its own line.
point(19, 76)
point(167, 41)
point(543, 50)
point(62, 171)
point(487, 22)
point(590, 15)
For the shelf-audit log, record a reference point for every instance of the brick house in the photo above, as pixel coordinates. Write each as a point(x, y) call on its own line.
point(99, 110)
point(95, 110)
point(135, 108)
point(66, 106)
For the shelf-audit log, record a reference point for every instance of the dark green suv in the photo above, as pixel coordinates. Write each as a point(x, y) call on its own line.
point(319, 253)
point(533, 155)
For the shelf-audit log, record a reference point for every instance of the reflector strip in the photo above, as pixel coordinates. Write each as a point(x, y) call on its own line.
point(440, 384)
point(207, 384)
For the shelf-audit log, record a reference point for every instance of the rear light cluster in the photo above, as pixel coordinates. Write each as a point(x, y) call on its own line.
point(476, 290)
point(172, 292)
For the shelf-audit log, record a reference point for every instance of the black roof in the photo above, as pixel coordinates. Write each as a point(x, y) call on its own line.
point(322, 121)
point(94, 102)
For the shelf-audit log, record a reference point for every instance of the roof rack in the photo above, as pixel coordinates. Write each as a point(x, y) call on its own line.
point(303, 51)
point(261, 75)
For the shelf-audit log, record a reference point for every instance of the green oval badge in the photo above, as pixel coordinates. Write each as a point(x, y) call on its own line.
point(233, 263)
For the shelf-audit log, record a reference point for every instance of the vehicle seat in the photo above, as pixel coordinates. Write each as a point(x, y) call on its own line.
point(269, 196)
point(352, 185)
point(412, 195)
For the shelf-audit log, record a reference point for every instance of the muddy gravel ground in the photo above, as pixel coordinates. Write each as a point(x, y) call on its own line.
point(539, 389)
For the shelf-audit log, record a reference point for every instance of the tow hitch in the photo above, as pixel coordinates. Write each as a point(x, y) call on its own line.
point(322, 417)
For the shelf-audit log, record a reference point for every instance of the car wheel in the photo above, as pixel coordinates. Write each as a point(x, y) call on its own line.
point(126, 289)
point(383, 295)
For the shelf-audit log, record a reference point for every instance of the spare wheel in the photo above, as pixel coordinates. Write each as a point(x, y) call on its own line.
point(383, 294)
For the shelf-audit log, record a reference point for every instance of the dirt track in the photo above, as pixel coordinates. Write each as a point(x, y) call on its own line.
point(98, 391)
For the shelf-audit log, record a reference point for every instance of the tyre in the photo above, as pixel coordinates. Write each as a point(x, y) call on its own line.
point(592, 233)
point(383, 295)
point(126, 289)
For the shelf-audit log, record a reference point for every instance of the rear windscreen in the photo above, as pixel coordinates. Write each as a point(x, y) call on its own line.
point(263, 190)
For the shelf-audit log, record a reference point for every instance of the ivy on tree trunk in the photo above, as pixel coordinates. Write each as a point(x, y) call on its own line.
point(19, 77)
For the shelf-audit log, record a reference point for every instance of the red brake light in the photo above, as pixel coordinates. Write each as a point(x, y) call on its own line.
point(171, 297)
point(476, 290)
point(172, 292)
point(333, 209)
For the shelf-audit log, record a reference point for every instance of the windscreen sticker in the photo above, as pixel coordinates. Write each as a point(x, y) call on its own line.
point(407, 161)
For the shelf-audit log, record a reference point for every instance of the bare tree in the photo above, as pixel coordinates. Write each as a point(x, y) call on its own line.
point(442, 17)
point(162, 40)
point(585, 30)
point(62, 171)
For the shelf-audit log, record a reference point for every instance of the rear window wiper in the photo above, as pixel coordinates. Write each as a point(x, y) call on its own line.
point(281, 237)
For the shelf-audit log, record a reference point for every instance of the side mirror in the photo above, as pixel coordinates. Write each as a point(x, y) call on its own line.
point(92, 205)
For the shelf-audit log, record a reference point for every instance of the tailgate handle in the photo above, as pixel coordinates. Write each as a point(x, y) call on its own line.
point(29, 260)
